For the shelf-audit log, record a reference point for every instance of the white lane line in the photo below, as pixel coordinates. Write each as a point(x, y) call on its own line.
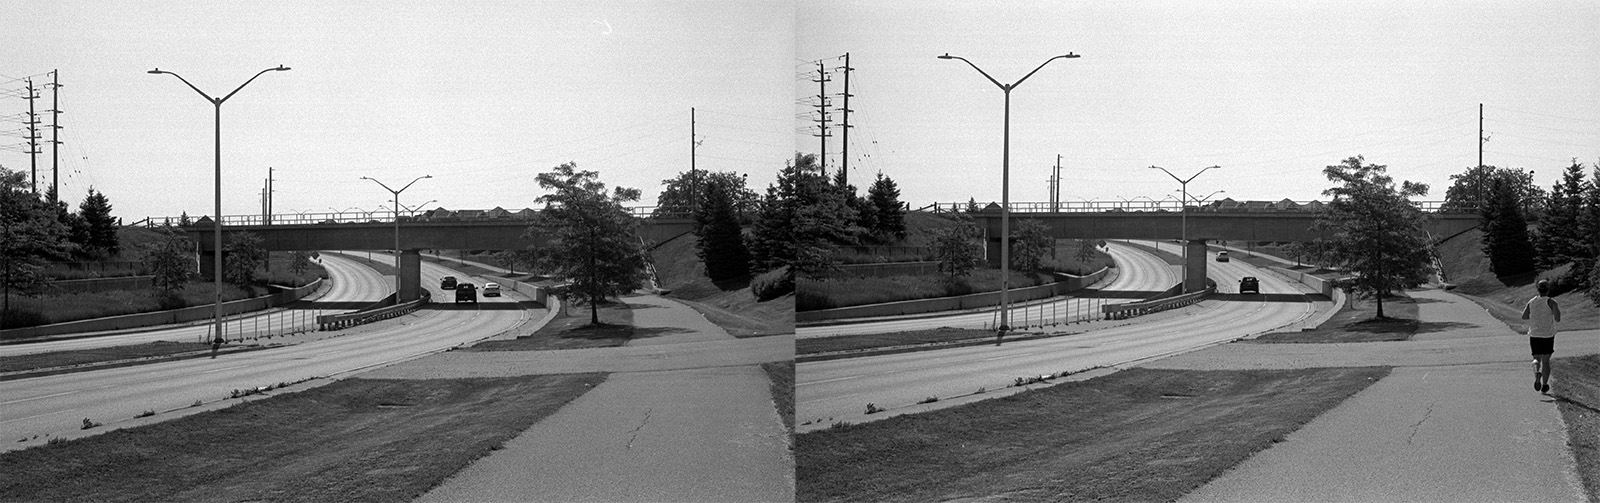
point(224, 368)
point(830, 380)
point(20, 400)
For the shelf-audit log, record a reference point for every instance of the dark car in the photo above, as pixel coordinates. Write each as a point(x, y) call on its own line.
point(448, 283)
point(467, 292)
point(1249, 284)
point(1222, 256)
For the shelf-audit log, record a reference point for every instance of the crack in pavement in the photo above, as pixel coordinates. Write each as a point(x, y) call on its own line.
point(1418, 426)
point(635, 431)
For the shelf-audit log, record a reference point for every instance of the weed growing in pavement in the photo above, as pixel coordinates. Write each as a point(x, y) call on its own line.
point(930, 399)
point(89, 424)
point(196, 403)
point(981, 390)
point(146, 413)
point(839, 425)
point(55, 441)
point(873, 408)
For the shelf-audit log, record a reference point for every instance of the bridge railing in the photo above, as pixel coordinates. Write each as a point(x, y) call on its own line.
point(353, 217)
point(1169, 206)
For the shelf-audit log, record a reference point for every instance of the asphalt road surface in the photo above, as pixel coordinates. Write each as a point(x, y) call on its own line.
point(1137, 271)
point(839, 390)
point(53, 405)
point(351, 283)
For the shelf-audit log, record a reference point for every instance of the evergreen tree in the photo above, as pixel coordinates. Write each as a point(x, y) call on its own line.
point(890, 219)
point(99, 226)
point(1560, 239)
point(591, 235)
point(1505, 233)
point(1375, 231)
point(721, 239)
point(30, 235)
point(800, 222)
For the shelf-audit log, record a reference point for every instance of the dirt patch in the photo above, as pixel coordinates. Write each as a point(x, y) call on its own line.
point(1136, 435)
point(353, 440)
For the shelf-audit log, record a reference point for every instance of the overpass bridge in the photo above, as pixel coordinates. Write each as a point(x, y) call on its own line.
point(1197, 224)
point(296, 232)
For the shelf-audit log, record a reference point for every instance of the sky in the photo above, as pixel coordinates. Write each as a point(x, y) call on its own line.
point(482, 96)
point(1272, 92)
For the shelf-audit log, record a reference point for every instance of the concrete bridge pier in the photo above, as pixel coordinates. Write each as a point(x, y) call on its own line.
point(410, 275)
point(1194, 270)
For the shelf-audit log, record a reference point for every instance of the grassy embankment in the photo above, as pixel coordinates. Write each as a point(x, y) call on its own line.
point(353, 440)
point(1136, 435)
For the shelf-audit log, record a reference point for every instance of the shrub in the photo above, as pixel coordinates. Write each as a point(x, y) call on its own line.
point(772, 284)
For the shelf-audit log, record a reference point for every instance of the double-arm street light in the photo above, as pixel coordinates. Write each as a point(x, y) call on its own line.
point(1005, 186)
point(217, 215)
point(1202, 200)
point(1183, 204)
point(396, 227)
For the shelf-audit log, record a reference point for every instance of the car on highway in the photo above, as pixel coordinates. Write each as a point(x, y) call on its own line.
point(448, 283)
point(1249, 284)
point(491, 289)
point(1222, 256)
point(467, 292)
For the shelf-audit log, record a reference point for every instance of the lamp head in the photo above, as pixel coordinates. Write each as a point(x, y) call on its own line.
point(1069, 55)
point(947, 56)
point(155, 72)
point(281, 68)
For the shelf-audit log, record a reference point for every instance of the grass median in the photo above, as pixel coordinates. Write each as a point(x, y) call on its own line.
point(1577, 391)
point(1135, 435)
point(97, 355)
point(353, 440)
point(570, 329)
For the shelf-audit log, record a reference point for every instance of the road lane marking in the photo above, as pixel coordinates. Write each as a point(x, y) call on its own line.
point(35, 416)
point(223, 369)
point(37, 397)
point(830, 380)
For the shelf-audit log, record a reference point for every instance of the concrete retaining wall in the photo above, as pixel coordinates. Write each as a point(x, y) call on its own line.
point(884, 269)
point(1065, 283)
point(1131, 309)
point(1321, 285)
point(346, 320)
point(163, 317)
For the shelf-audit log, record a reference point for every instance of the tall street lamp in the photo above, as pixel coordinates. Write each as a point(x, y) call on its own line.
point(1183, 204)
point(396, 228)
point(217, 221)
point(1005, 186)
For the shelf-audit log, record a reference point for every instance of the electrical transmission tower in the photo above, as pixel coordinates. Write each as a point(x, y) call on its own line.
point(33, 134)
point(844, 142)
point(822, 117)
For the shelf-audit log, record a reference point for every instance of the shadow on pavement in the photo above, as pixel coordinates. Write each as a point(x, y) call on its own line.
point(646, 333)
point(1428, 327)
point(1262, 297)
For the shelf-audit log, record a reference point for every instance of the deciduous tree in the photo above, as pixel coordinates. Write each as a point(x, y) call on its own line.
point(170, 258)
point(243, 255)
point(957, 248)
point(591, 238)
point(1375, 231)
point(1030, 241)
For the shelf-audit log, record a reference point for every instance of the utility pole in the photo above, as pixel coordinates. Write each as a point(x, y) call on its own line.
point(1056, 187)
point(844, 143)
point(1480, 135)
point(694, 183)
point(268, 219)
point(33, 135)
point(55, 131)
point(822, 118)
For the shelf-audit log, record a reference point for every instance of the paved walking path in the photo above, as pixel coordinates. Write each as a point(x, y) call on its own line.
point(1457, 420)
point(686, 415)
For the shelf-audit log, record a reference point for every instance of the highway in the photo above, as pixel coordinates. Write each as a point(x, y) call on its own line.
point(351, 283)
point(839, 390)
point(54, 405)
point(1137, 270)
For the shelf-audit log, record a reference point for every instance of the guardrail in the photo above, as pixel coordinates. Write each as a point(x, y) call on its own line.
point(361, 216)
point(347, 320)
point(1131, 309)
point(1171, 206)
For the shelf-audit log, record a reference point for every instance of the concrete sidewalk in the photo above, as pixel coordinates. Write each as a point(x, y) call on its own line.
point(1457, 420)
point(685, 415)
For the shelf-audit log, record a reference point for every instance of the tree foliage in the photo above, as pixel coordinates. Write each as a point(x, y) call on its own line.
point(591, 238)
point(889, 215)
point(30, 235)
point(683, 194)
point(1561, 239)
point(721, 239)
point(243, 255)
point(801, 221)
point(957, 248)
point(1505, 232)
point(1469, 191)
point(100, 228)
point(170, 258)
point(1374, 231)
point(1030, 241)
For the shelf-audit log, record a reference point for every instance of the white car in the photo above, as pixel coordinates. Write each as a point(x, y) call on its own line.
point(491, 289)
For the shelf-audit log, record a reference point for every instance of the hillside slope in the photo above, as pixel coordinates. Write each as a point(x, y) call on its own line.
point(730, 304)
point(1467, 267)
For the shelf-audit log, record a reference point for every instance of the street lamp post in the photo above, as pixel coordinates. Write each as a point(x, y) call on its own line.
point(217, 209)
point(1005, 186)
point(1202, 200)
point(396, 228)
point(1183, 205)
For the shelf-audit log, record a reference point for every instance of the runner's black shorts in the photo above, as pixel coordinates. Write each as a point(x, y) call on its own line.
point(1542, 345)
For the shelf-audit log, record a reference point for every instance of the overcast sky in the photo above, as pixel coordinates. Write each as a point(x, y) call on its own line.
point(480, 95)
point(1270, 91)
point(484, 95)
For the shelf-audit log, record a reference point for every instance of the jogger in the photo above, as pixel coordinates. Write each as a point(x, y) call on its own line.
point(1543, 312)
